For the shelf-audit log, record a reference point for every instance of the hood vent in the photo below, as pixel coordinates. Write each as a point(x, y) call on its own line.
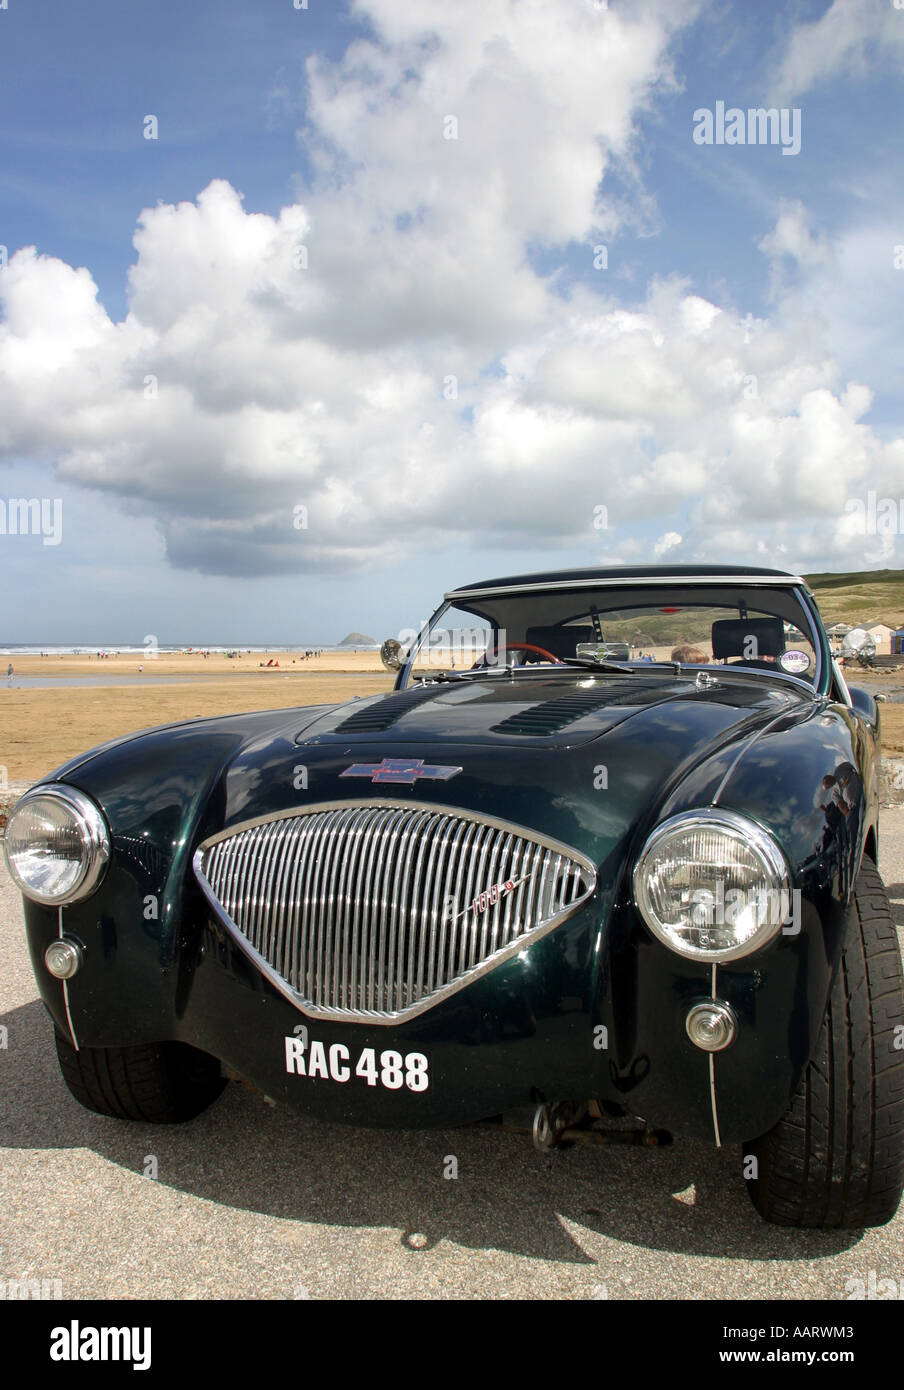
point(384, 712)
point(550, 717)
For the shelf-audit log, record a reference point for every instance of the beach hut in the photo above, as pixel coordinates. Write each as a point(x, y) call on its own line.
point(881, 634)
point(897, 642)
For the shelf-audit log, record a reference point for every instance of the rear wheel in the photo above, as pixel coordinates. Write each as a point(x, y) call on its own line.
point(836, 1159)
point(157, 1083)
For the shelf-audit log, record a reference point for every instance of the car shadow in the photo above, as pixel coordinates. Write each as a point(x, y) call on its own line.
point(247, 1154)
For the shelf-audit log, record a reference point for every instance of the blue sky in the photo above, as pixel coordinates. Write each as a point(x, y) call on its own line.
point(721, 389)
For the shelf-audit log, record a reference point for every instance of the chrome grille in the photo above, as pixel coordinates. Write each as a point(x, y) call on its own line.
point(376, 910)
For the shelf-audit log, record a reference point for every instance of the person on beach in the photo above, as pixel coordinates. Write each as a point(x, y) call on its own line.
point(9, 673)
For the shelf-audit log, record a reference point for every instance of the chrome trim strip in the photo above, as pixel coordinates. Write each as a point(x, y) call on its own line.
point(66, 988)
point(841, 681)
point(631, 582)
point(712, 1076)
point(477, 881)
point(283, 872)
point(426, 944)
point(744, 749)
point(396, 803)
point(392, 845)
point(342, 959)
point(231, 859)
point(505, 926)
point(483, 947)
point(438, 928)
point(453, 866)
point(394, 985)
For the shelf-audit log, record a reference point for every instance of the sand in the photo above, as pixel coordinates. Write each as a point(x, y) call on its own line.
point(40, 728)
point(190, 664)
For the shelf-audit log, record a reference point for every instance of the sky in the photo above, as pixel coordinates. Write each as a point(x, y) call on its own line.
point(310, 312)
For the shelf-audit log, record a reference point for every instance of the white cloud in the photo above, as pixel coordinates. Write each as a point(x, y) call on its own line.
point(791, 240)
point(384, 355)
point(852, 37)
point(846, 286)
point(666, 542)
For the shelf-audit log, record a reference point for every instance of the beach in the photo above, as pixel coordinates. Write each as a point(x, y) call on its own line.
point(41, 727)
point(191, 663)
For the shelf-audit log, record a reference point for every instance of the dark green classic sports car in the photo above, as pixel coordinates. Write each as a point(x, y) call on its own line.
point(608, 848)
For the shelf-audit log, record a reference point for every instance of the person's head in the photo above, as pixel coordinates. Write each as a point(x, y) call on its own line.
point(688, 655)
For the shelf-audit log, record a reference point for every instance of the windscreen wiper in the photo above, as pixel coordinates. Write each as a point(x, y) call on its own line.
point(589, 663)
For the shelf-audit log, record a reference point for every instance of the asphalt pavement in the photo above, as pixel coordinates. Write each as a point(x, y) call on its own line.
point(250, 1201)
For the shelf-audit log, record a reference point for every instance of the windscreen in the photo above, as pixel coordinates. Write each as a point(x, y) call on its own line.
point(758, 628)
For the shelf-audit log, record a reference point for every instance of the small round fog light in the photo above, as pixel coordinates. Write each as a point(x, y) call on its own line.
point(711, 1026)
point(63, 958)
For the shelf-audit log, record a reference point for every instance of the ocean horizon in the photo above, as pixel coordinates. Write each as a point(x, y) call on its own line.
point(171, 649)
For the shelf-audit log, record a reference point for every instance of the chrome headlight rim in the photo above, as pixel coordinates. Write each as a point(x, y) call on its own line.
point(92, 830)
point(752, 835)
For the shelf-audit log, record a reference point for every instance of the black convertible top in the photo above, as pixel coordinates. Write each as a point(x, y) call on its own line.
point(686, 574)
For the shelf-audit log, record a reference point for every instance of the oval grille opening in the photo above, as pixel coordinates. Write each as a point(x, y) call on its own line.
point(379, 910)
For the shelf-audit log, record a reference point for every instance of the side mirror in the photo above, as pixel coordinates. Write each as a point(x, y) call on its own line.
point(391, 654)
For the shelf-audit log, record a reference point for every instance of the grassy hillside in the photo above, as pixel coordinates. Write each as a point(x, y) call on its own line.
point(860, 597)
point(864, 597)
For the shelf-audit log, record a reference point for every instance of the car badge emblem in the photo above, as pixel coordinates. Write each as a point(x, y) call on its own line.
point(493, 895)
point(401, 770)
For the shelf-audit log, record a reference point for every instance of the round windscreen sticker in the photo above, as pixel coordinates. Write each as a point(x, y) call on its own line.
point(795, 663)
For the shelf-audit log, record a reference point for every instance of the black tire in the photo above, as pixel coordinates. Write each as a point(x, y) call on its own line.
point(156, 1083)
point(836, 1159)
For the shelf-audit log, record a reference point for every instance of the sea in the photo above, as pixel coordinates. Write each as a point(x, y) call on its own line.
point(26, 649)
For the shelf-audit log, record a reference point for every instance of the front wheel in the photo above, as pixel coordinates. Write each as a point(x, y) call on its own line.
point(836, 1159)
point(162, 1083)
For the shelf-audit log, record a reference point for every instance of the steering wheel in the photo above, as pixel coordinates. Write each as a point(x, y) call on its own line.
point(532, 647)
point(526, 647)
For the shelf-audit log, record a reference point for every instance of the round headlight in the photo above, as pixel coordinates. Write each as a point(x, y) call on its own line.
point(712, 885)
point(56, 845)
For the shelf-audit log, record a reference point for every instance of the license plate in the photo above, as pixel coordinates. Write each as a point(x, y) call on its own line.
point(338, 1062)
